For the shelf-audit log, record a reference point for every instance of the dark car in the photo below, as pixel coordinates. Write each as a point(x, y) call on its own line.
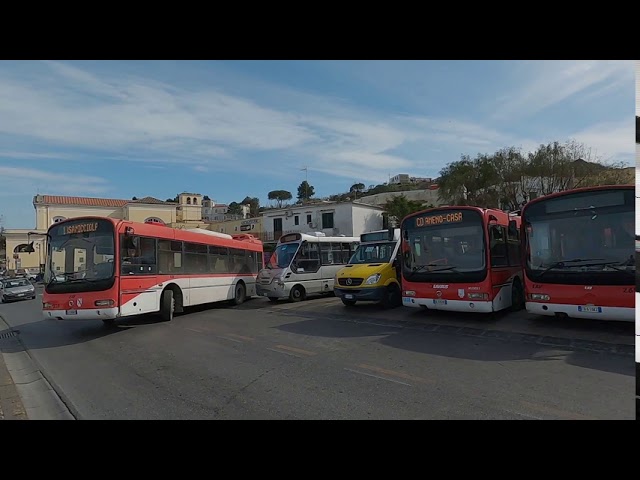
point(12, 289)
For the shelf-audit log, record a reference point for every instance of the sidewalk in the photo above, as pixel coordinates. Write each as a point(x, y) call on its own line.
point(11, 407)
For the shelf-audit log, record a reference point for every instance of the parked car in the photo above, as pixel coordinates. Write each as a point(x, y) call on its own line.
point(12, 289)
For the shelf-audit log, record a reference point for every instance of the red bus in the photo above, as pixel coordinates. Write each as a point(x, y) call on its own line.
point(579, 253)
point(104, 268)
point(463, 259)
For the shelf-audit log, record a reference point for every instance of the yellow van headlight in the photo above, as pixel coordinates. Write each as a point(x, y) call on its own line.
point(373, 279)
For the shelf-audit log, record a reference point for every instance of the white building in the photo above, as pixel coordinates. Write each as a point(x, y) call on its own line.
point(331, 218)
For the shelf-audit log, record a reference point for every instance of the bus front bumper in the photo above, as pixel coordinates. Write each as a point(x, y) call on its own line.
point(625, 314)
point(82, 314)
point(272, 290)
point(449, 305)
point(373, 294)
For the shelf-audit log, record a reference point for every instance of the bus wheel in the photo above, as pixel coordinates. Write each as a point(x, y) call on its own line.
point(241, 294)
point(297, 294)
point(517, 299)
point(167, 305)
point(348, 303)
point(392, 298)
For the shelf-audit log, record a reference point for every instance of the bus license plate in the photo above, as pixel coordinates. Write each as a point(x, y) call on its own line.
point(590, 309)
point(72, 312)
point(439, 302)
point(348, 296)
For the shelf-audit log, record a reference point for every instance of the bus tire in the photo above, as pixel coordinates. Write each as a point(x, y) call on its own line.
point(240, 293)
point(517, 296)
point(392, 298)
point(297, 294)
point(348, 303)
point(167, 305)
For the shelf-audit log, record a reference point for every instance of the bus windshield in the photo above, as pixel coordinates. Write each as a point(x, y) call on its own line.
point(451, 247)
point(80, 256)
point(373, 253)
point(582, 238)
point(283, 255)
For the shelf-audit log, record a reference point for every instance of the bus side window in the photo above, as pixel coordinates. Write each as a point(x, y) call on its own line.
point(218, 259)
point(308, 257)
point(169, 256)
point(498, 246)
point(513, 247)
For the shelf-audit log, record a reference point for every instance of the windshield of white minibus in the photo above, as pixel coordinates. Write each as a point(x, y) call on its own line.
point(283, 255)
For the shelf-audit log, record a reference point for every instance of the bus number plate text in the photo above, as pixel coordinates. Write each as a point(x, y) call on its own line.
point(590, 309)
point(72, 312)
point(439, 301)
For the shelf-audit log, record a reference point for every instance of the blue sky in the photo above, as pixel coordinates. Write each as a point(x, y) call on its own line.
point(228, 129)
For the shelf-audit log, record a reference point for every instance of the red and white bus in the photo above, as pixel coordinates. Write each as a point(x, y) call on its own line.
point(579, 253)
point(463, 259)
point(104, 269)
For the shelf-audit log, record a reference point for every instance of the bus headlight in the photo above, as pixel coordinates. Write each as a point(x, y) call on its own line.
point(373, 279)
point(539, 296)
point(478, 296)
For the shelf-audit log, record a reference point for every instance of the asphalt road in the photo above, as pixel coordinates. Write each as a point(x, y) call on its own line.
point(320, 360)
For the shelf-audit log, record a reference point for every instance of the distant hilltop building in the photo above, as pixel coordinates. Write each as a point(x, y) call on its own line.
point(406, 178)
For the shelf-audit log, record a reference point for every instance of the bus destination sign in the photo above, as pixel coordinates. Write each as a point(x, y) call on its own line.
point(80, 228)
point(439, 219)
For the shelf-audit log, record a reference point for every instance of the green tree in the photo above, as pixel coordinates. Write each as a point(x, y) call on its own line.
point(134, 198)
point(234, 209)
point(356, 188)
point(280, 196)
point(254, 205)
point(305, 191)
point(206, 197)
point(399, 207)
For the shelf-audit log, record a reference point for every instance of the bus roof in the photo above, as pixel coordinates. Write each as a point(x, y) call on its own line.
point(579, 190)
point(295, 237)
point(195, 235)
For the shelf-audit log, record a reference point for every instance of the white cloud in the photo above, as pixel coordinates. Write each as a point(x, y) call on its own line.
point(18, 180)
point(551, 82)
point(127, 118)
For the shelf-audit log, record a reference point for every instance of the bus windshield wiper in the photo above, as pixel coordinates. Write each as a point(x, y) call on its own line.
point(563, 263)
point(614, 265)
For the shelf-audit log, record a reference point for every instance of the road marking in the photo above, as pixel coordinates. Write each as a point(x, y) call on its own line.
point(556, 412)
point(376, 376)
point(230, 339)
point(195, 330)
point(296, 350)
point(402, 375)
point(248, 339)
point(286, 353)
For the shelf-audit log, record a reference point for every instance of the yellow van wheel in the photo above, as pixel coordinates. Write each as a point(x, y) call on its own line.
point(348, 303)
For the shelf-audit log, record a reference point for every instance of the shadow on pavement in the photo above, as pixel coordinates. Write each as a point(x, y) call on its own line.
point(509, 348)
point(323, 328)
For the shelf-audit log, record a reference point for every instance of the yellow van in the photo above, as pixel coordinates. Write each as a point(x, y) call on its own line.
point(373, 272)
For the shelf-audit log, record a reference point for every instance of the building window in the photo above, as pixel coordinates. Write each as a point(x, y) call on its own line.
point(188, 200)
point(58, 219)
point(296, 220)
point(154, 220)
point(195, 201)
point(327, 220)
point(309, 218)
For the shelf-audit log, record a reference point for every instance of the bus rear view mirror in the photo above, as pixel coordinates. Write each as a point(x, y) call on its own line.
point(406, 235)
point(513, 229)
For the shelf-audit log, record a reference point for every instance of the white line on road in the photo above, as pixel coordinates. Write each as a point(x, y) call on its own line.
point(381, 378)
point(195, 330)
point(286, 353)
point(230, 339)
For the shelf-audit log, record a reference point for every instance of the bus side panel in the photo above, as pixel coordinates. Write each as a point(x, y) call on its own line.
point(138, 295)
point(207, 289)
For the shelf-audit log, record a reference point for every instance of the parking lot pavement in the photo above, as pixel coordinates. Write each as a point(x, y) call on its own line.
point(617, 337)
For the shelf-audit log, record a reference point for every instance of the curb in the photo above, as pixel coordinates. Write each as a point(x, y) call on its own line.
point(39, 398)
